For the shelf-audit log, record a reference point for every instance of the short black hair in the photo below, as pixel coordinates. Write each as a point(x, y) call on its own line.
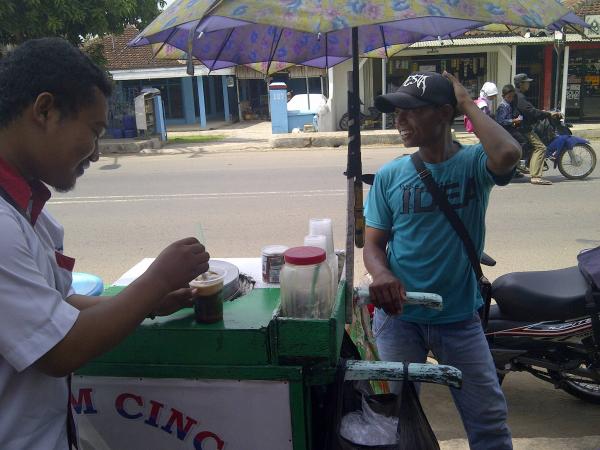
point(48, 65)
point(507, 89)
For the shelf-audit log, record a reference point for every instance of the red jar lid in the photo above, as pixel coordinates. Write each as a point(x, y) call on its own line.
point(304, 256)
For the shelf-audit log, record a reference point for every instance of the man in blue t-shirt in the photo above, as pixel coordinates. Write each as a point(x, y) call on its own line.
point(410, 244)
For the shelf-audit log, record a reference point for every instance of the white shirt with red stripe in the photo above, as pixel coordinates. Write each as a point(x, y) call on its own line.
point(35, 280)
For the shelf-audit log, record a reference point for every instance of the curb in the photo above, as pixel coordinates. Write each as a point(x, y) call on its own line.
point(120, 146)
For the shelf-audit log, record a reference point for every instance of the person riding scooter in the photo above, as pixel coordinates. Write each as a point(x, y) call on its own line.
point(531, 116)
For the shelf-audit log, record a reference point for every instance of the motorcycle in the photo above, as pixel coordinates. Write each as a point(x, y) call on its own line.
point(574, 157)
point(370, 120)
point(540, 325)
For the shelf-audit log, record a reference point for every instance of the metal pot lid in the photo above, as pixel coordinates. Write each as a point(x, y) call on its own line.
point(231, 283)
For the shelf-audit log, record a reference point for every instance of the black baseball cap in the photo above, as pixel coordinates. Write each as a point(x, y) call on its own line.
point(419, 89)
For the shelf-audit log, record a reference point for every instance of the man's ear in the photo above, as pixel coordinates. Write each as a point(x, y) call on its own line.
point(44, 108)
point(448, 112)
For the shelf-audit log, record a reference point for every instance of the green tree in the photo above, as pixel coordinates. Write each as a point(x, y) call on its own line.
point(75, 20)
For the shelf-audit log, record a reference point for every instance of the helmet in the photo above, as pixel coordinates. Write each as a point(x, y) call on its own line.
point(488, 89)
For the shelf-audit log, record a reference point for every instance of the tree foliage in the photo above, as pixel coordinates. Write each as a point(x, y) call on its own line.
point(74, 20)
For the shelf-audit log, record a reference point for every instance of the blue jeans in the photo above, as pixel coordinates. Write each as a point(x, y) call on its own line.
point(480, 401)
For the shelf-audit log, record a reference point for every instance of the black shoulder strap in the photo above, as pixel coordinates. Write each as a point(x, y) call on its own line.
point(442, 201)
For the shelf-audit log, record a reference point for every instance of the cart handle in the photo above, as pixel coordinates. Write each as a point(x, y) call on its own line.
point(389, 370)
point(428, 300)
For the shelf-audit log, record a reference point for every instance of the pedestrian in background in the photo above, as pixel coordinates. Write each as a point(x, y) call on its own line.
point(487, 95)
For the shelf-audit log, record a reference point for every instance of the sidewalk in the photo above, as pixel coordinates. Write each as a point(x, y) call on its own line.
point(257, 136)
point(581, 443)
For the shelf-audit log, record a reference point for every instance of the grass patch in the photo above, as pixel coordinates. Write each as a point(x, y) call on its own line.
point(196, 138)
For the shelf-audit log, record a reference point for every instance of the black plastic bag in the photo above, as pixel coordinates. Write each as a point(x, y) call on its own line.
point(413, 430)
point(589, 265)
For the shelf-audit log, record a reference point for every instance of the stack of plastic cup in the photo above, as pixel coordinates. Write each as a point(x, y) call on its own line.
point(324, 227)
point(316, 240)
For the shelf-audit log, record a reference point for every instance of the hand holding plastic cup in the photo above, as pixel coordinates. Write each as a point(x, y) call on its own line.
point(208, 299)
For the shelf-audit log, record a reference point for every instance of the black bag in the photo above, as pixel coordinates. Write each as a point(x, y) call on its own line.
point(589, 266)
point(545, 131)
point(441, 199)
point(414, 430)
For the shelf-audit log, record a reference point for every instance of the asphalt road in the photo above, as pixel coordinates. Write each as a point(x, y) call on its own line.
point(130, 207)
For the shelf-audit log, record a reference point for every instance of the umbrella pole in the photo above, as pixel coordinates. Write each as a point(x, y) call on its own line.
point(355, 220)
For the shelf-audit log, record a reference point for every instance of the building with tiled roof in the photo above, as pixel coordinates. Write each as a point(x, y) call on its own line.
point(119, 56)
point(186, 99)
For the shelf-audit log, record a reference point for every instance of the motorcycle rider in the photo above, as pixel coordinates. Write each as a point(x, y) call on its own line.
point(531, 115)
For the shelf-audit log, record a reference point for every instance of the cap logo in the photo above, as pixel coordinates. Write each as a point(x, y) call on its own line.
point(419, 80)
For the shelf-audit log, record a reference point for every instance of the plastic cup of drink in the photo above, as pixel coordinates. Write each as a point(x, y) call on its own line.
point(208, 299)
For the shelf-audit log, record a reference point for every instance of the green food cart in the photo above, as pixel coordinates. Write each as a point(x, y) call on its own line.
point(242, 384)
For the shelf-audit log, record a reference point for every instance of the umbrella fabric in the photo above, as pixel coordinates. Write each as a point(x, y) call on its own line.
point(323, 16)
point(167, 51)
point(257, 43)
point(315, 33)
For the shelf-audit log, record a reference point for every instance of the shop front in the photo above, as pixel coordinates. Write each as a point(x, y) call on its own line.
point(583, 82)
point(470, 67)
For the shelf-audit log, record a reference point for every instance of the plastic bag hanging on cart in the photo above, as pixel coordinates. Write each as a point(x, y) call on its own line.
point(413, 430)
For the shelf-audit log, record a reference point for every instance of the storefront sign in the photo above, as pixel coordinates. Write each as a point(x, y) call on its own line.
point(178, 414)
point(428, 68)
point(592, 80)
point(573, 91)
point(594, 23)
point(573, 95)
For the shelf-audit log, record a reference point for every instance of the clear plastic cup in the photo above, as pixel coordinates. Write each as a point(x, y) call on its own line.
point(208, 299)
point(325, 227)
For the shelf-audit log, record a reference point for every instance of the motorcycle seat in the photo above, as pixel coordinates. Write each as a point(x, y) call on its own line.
point(538, 296)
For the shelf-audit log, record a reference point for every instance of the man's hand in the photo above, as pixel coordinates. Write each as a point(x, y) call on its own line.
point(387, 292)
point(174, 301)
point(178, 264)
point(462, 95)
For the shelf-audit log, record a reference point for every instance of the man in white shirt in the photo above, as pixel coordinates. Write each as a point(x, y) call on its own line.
point(53, 108)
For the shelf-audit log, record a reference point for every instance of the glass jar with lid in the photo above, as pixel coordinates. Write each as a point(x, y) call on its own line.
point(306, 284)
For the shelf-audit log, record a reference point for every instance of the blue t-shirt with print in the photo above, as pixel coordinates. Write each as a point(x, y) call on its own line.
point(424, 251)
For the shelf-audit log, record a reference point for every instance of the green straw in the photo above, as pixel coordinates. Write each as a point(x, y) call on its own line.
point(202, 239)
point(313, 302)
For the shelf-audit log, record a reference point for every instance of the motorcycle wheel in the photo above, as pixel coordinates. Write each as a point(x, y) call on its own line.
point(577, 163)
point(589, 392)
point(344, 122)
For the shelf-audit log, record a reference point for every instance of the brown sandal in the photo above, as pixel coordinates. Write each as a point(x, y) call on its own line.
point(541, 181)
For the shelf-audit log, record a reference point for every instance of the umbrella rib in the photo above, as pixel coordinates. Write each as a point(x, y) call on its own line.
point(384, 43)
point(221, 49)
point(164, 43)
point(327, 53)
point(273, 49)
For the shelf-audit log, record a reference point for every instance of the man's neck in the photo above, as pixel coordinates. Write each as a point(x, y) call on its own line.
point(11, 149)
point(439, 152)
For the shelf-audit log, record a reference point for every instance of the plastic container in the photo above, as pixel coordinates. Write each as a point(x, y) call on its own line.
point(208, 300)
point(272, 262)
point(129, 123)
point(306, 284)
point(320, 241)
point(325, 227)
